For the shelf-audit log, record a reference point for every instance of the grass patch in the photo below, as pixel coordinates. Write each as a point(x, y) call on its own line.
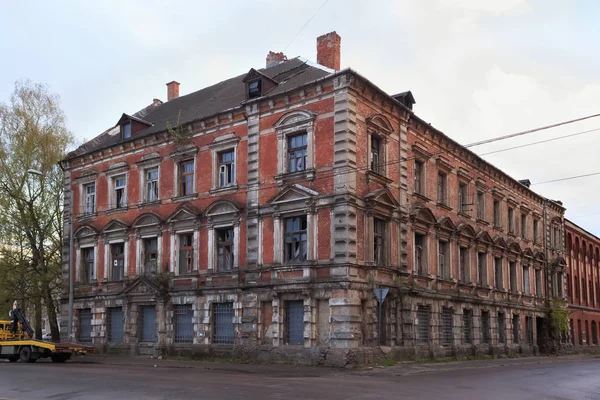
point(386, 363)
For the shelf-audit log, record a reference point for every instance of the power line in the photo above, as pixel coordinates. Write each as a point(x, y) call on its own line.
point(539, 142)
point(566, 179)
point(532, 130)
point(304, 26)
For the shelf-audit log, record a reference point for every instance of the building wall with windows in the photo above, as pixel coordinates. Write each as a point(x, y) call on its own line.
point(583, 285)
point(267, 223)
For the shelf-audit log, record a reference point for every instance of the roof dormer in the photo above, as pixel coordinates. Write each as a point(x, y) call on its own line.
point(257, 84)
point(130, 125)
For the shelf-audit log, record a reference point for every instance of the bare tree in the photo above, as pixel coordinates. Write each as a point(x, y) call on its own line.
point(33, 138)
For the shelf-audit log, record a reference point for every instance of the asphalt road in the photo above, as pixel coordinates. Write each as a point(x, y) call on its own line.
point(577, 378)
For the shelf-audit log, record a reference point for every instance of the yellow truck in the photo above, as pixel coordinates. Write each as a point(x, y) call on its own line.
point(18, 345)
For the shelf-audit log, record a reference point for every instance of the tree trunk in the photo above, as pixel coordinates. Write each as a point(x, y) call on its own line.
point(51, 313)
point(37, 311)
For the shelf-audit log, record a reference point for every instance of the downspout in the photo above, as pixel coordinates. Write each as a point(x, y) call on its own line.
point(70, 309)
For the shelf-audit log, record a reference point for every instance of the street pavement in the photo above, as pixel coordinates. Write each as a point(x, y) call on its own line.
point(104, 377)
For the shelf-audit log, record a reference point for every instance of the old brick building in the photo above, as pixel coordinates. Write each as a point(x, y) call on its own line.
point(260, 213)
point(583, 284)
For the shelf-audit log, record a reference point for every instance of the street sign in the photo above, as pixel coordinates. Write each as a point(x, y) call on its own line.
point(381, 293)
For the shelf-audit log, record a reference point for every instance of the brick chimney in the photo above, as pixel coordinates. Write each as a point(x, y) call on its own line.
point(172, 90)
point(275, 58)
point(329, 50)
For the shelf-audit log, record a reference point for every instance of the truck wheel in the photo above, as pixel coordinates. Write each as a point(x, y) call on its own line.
point(25, 354)
point(60, 358)
point(13, 358)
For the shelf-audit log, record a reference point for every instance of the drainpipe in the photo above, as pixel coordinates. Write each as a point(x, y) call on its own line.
point(71, 214)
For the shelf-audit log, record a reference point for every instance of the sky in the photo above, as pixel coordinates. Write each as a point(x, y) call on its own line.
point(477, 69)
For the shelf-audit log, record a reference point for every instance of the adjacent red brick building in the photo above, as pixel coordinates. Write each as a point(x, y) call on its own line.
point(261, 213)
point(583, 284)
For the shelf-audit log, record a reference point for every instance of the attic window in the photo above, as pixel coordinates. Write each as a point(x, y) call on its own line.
point(126, 128)
point(254, 89)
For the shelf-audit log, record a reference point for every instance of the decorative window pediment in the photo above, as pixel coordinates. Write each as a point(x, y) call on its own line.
point(514, 248)
point(446, 224)
point(184, 152)
point(87, 176)
point(85, 231)
point(500, 243)
point(528, 253)
point(381, 200)
point(484, 238)
point(466, 230)
point(222, 211)
point(295, 146)
point(423, 215)
point(183, 213)
point(114, 226)
point(294, 195)
point(141, 286)
point(379, 124)
point(146, 220)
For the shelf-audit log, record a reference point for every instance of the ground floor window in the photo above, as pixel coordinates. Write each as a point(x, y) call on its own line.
point(294, 322)
point(223, 332)
point(594, 333)
point(85, 325)
point(501, 327)
point(447, 326)
point(183, 323)
point(468, 326)
point(485, 327)
point(529, 330)
point(423, 324)
point(516, 327)
point(114, 327)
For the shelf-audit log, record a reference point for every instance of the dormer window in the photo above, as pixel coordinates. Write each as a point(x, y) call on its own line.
point(254, 89)
point(126, 128)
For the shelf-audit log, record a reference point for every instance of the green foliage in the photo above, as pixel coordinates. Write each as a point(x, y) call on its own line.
point(33, 136)
point(177, 132)
point(559, 315)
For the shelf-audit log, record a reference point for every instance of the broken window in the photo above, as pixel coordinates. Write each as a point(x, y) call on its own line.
point(152, 184)
point(150, 256)
point(297, 152)
point(513, 277)
point(227, 168)
point(186, 253)
point(90, 199)
point(254, 89)
point(526, 288)
point(497, 219)
point(376, 155)
point(420, 255)
point(378, 241)
point(516, 327)
point(120, 184)
point(89, 269)
point(186, 178)
point(524, 226)
point(419, 177)
point(224, 248)
point(444, 259)
point(118, 261)
point(511, 220)
point(463, 200)
point(295, 239)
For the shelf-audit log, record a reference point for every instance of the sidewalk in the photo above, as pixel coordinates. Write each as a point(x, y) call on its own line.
point(285, 370)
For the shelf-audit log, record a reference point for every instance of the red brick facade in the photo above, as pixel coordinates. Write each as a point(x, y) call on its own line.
point(304, 195)
point(583, 285)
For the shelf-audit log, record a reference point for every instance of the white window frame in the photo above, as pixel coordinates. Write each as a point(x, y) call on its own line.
point(81, 267)
point(108, 275)
point(144, 183)
point(113, 190)
point(212, 246)
point(292, 124)
point(86, 196)
point(177, 168)
point(141, 256)
point(222, 180)
point(223, 144)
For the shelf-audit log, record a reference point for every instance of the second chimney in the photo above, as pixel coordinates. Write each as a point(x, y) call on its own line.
point(172, 90)
point(329, 50)
point(275, 58)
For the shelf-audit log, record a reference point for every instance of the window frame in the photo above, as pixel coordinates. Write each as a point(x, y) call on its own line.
point(146, 259)
point(221, 267)
point(287, 258)
point(119, 201)
point(498, 273)
point(189, 249)
point(303, 149)
point(90, 274)
point(125, 129)
point(524, 226)
point(420, 256)
point(292, 124)
point(444, 260)
point(147, 182)
point(256, 92)
point(113, 259)
point(482, 278)
point(497, 205)
point(419, 177)
point(481, 205)
point(227, 173)
point(511, 220)
point(442, 188)
point(464, 267)
point(526, 280)
point(463, 197)
point(181, 174)
point(86, 196)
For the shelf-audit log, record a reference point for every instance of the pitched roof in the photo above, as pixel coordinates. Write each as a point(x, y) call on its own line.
point(206, 102)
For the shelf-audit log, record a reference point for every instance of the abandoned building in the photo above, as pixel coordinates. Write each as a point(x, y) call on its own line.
point(260, 214)
point(583, 285)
